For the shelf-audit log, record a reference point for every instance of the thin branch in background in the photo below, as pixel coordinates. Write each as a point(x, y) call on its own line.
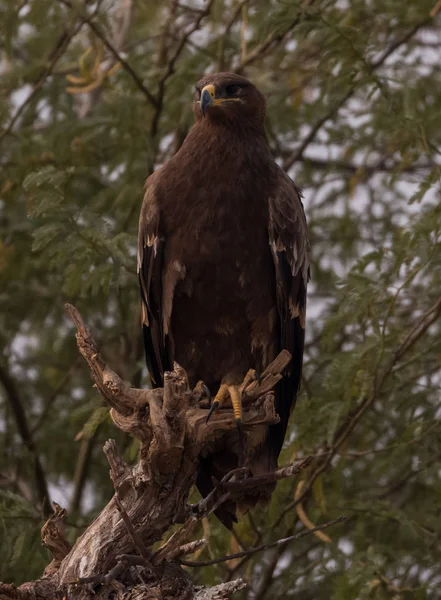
point(165, 35)
point(410, 474)
point(171, 67)
point(273, 40)
point(435, 10)
point(243, 33)
point(55, 55)
point(346, 428)
point(221, 51)
point(268, 572)
point(50, 401)
point(324, 459)
point(429, 317)
point(13, 397)
point(366, 171)
point(263, 547)
point(81, 471)
point(298, 154)
point(111, 48)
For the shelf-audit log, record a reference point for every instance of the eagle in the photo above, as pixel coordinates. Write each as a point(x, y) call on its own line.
point(223, 264)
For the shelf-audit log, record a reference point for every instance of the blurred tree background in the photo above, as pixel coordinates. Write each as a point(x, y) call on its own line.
point(94, 95)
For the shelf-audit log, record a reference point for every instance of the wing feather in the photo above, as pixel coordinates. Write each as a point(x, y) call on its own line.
point(151, 244)
point(291, 254)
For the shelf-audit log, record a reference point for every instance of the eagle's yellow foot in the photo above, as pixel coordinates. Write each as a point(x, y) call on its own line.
point(219, 399)
point(251, 376)
point(235, 394)
point(236, 401)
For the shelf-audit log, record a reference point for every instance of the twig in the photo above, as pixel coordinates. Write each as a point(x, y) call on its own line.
point(365, 171)
point(435, 10)
point(228, 26)
point(135, 537)
point(81, 470)
point(189, 548)
point(243, 33)
point(223, 590)
point(13, 397)
point(429, 317)
point(297, 155)
point(244, 485)
point(123, 562)
point(171, 66)
point(273, 40)
point(53, 537)
point(176, 540)
point(111, 48)
point(263, 547)
point(208, 504)
point(268, 570)
point(55, 56)
point(304, 517)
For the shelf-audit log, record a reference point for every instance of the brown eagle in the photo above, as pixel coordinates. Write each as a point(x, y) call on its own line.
point(223, 262)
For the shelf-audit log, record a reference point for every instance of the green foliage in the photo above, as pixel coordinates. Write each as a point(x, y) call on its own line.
point(364, 77)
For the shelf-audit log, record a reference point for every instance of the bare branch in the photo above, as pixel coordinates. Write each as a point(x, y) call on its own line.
point(418, 331)
point(223, 590)
point(112, 388)
point(263, 547)
point(273, 40)
point(297, 154)
point(53, 537)
point(114, 52)
point(55, 55)
point(16, 404)
point(171, 66)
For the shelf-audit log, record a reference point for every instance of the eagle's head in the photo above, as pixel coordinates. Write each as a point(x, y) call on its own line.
point(228, 97)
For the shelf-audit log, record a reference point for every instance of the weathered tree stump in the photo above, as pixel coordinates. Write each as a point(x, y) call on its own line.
point(113, 557)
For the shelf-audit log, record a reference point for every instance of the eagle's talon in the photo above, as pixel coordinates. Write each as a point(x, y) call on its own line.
point(206, 391)
point(258, 377)
point(219, 399)
point(249, 378)
point(202, 394)
point(213, 409)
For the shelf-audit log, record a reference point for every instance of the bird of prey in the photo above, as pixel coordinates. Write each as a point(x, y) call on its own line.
point(223, 263)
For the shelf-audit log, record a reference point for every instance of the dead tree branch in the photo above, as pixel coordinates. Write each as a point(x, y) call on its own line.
point(114, 553)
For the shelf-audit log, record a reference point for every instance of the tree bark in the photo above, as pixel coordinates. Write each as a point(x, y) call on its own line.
point(113, 557)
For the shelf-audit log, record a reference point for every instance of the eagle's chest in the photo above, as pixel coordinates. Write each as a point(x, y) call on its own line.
point(221, 241)
point(218, 275)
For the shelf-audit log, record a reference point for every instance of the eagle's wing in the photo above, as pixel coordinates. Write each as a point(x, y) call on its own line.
point(151, 244)
point(291, 254)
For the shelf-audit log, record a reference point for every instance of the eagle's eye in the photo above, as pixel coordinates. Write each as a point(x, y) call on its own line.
point(233, 90)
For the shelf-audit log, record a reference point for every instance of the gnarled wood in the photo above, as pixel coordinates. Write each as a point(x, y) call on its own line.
point(170, 423)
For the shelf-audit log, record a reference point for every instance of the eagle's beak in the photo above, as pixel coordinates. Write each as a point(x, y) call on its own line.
point(208, 96)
